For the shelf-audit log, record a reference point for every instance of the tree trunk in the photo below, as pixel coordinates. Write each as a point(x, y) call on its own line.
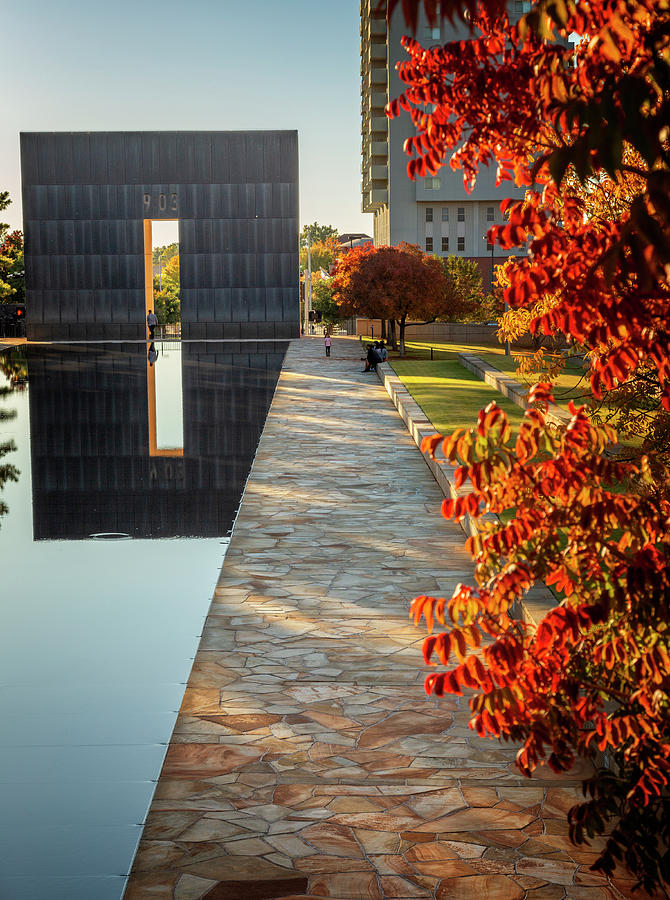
point(383, 334)
point(402, 335)
point(391, 334)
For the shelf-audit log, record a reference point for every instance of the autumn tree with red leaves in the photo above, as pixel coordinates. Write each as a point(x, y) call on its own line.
point(594, 675)
point(397, 283)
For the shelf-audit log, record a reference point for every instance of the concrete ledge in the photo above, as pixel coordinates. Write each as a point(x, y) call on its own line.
point(539, 599)
point(420, 426)
point(508, 386)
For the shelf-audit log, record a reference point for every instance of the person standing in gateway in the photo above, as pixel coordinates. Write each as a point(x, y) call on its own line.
point(152, 321)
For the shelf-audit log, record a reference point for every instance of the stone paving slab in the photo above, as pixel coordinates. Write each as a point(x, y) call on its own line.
point(306, 761)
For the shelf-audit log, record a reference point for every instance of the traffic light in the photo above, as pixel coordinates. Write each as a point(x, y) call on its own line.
point(312, 315)
point(317, 315)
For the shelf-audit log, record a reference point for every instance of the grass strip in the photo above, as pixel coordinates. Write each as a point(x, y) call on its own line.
point(449, 394)
point(572, 383)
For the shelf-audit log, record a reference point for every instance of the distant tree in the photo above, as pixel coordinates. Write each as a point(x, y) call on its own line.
point(398, 283)
point(12, 282)
point(323, 302)
point(317, 232)
point(165, 254)
point(167, 304)
point(4, 203)
point(167, 308)
point(171, 275)
point(324, 254)
point(464, 287)
point(12, 269)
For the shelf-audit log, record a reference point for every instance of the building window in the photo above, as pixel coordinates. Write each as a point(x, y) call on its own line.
point(445, 213)
point(445, 244)
point(432, 183)
point(521, 7)
point(461, 214)
point(490, 214)
point(429, 245)
point(431, 33)
point(429, 214)
point(461, 243)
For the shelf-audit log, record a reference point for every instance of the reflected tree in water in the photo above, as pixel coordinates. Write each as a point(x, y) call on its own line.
point(14, 367)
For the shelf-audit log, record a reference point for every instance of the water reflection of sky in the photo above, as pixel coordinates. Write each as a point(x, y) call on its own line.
point(96, 644)
point(168, 380)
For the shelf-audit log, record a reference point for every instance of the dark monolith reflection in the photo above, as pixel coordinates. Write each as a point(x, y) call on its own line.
point(97, 462)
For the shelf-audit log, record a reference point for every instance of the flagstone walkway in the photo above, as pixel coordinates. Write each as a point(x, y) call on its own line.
point(307, 761)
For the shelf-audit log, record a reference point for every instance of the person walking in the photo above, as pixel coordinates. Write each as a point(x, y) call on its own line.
point(152, 321)
point(327, 341)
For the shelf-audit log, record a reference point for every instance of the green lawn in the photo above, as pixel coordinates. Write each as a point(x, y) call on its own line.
point(429, 381)
point(572, 384)
point(449, 395)
point(440, 350)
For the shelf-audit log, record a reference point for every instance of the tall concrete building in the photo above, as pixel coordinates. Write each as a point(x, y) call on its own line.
point(434, 212)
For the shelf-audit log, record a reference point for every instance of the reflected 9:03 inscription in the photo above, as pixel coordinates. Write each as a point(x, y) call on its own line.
point(93, 470)
point(161, 202)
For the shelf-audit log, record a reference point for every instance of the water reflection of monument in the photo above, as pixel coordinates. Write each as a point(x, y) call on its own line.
point(97, 467)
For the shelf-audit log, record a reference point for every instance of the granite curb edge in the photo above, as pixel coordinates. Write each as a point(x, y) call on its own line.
point(539, 600)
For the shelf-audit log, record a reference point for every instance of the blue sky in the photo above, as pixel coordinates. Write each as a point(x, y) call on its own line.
point(198, 65)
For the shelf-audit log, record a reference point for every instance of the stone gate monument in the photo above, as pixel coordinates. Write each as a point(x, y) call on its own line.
point(88, 203)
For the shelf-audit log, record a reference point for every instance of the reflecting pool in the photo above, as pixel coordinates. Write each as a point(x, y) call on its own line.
point(132, 461)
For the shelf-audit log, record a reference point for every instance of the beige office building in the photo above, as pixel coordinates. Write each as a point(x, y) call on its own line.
point(434, 212)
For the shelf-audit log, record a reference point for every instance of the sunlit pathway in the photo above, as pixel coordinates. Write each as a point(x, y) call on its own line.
point(306, 760)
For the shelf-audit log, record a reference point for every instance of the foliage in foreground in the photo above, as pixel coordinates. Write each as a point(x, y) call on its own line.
point(593, 675)
point(596, 673)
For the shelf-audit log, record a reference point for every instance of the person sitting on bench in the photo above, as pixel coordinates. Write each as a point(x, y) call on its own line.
point(372, 357)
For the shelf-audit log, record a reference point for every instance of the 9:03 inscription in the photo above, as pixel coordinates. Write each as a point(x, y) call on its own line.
point(161, 202)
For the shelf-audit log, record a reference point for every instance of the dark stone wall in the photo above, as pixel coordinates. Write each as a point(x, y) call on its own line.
point(86, 195)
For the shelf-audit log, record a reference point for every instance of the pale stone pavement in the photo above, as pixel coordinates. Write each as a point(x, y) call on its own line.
point(307, 761)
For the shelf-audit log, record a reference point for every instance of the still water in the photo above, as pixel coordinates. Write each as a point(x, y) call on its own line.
point(132, 462)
